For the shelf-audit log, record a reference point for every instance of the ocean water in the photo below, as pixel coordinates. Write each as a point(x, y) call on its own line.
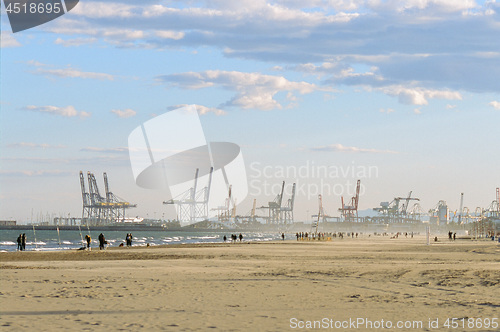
point(67, 240)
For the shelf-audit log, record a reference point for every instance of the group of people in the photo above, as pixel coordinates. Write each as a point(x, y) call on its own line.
point(452, 236)
point(103, 242)
point(312, 236)
point(21, 242)
point(234, 237)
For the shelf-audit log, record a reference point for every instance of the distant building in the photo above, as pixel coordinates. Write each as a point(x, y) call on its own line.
point(8, 223)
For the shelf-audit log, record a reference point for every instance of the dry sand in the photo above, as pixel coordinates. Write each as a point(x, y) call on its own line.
point(252, 287)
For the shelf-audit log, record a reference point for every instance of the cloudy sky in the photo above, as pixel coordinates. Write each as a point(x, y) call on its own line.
point(408, 88)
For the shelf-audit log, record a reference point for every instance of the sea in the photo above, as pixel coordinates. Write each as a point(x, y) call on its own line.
point(52, 240)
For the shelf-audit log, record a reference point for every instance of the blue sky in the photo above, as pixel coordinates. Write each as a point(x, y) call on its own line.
point(409, 87)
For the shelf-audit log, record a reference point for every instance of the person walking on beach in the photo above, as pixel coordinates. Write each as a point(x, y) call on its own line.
point(283, 236)
point(241, 237)
point(23, 241)
point(225, 238)
point(88, 239)
point(101, 241)
point(454, 236)
point(20, 242)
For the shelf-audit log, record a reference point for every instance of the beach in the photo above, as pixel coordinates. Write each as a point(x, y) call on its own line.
point(258, 286)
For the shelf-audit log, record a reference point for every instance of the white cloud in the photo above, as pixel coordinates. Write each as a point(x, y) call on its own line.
point(95, 10)
point(126, 113)
point(8, 40)
point(417, 111)
point(68, 111)
point(202, 110)
point(495, 104)
point(74, 73)
point(104, 150)
point(254, 90)
point(350, 149)
point(31, 145)
point(419, 96)
point(75, 41)
point(124, 34)
point(450, 107)
point(170, 34)
point(47, 70)
point(441, 5)
point(309, 35)
point(388, 111)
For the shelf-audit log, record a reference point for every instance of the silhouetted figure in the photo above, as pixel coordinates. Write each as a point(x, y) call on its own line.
point(23, 241)
point(283, 236)
point(101, 241)
point(20, 242)
point(241, 237)
point(225, 238)
point(454, 236)
point(88, 239)
point(128, 239)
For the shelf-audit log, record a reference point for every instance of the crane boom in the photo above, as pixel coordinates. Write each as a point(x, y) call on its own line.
point(292, 201)
point(84, 193)
point(193, 193)
point(253, 208)
point(281, 195)
point(207, 193)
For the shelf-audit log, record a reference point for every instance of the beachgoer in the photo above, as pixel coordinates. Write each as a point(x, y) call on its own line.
point(101, 241)
point(23, 241)
point(241, 237)
point(283, 236)
point(454, 236)
point(88, 239)
point(20, 242)
point(225, 238)
point(130, 235)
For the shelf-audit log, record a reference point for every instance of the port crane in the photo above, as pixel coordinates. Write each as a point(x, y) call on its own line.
point(350, 212)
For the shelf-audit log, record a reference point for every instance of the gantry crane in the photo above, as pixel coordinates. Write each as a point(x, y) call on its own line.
point(192, 205)
point(350, 212)
point(99, 210)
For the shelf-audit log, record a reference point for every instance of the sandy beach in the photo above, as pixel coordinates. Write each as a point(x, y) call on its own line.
point(275, 286)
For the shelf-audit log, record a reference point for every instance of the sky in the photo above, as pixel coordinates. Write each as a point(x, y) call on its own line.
point(403, 95)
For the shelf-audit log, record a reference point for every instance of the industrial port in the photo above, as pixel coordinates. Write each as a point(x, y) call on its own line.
point(402, 213)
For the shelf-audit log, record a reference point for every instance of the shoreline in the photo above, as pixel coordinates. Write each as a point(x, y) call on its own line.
point(114, 252)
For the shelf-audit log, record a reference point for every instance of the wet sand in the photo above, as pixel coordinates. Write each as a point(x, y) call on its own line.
point(253, 286)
